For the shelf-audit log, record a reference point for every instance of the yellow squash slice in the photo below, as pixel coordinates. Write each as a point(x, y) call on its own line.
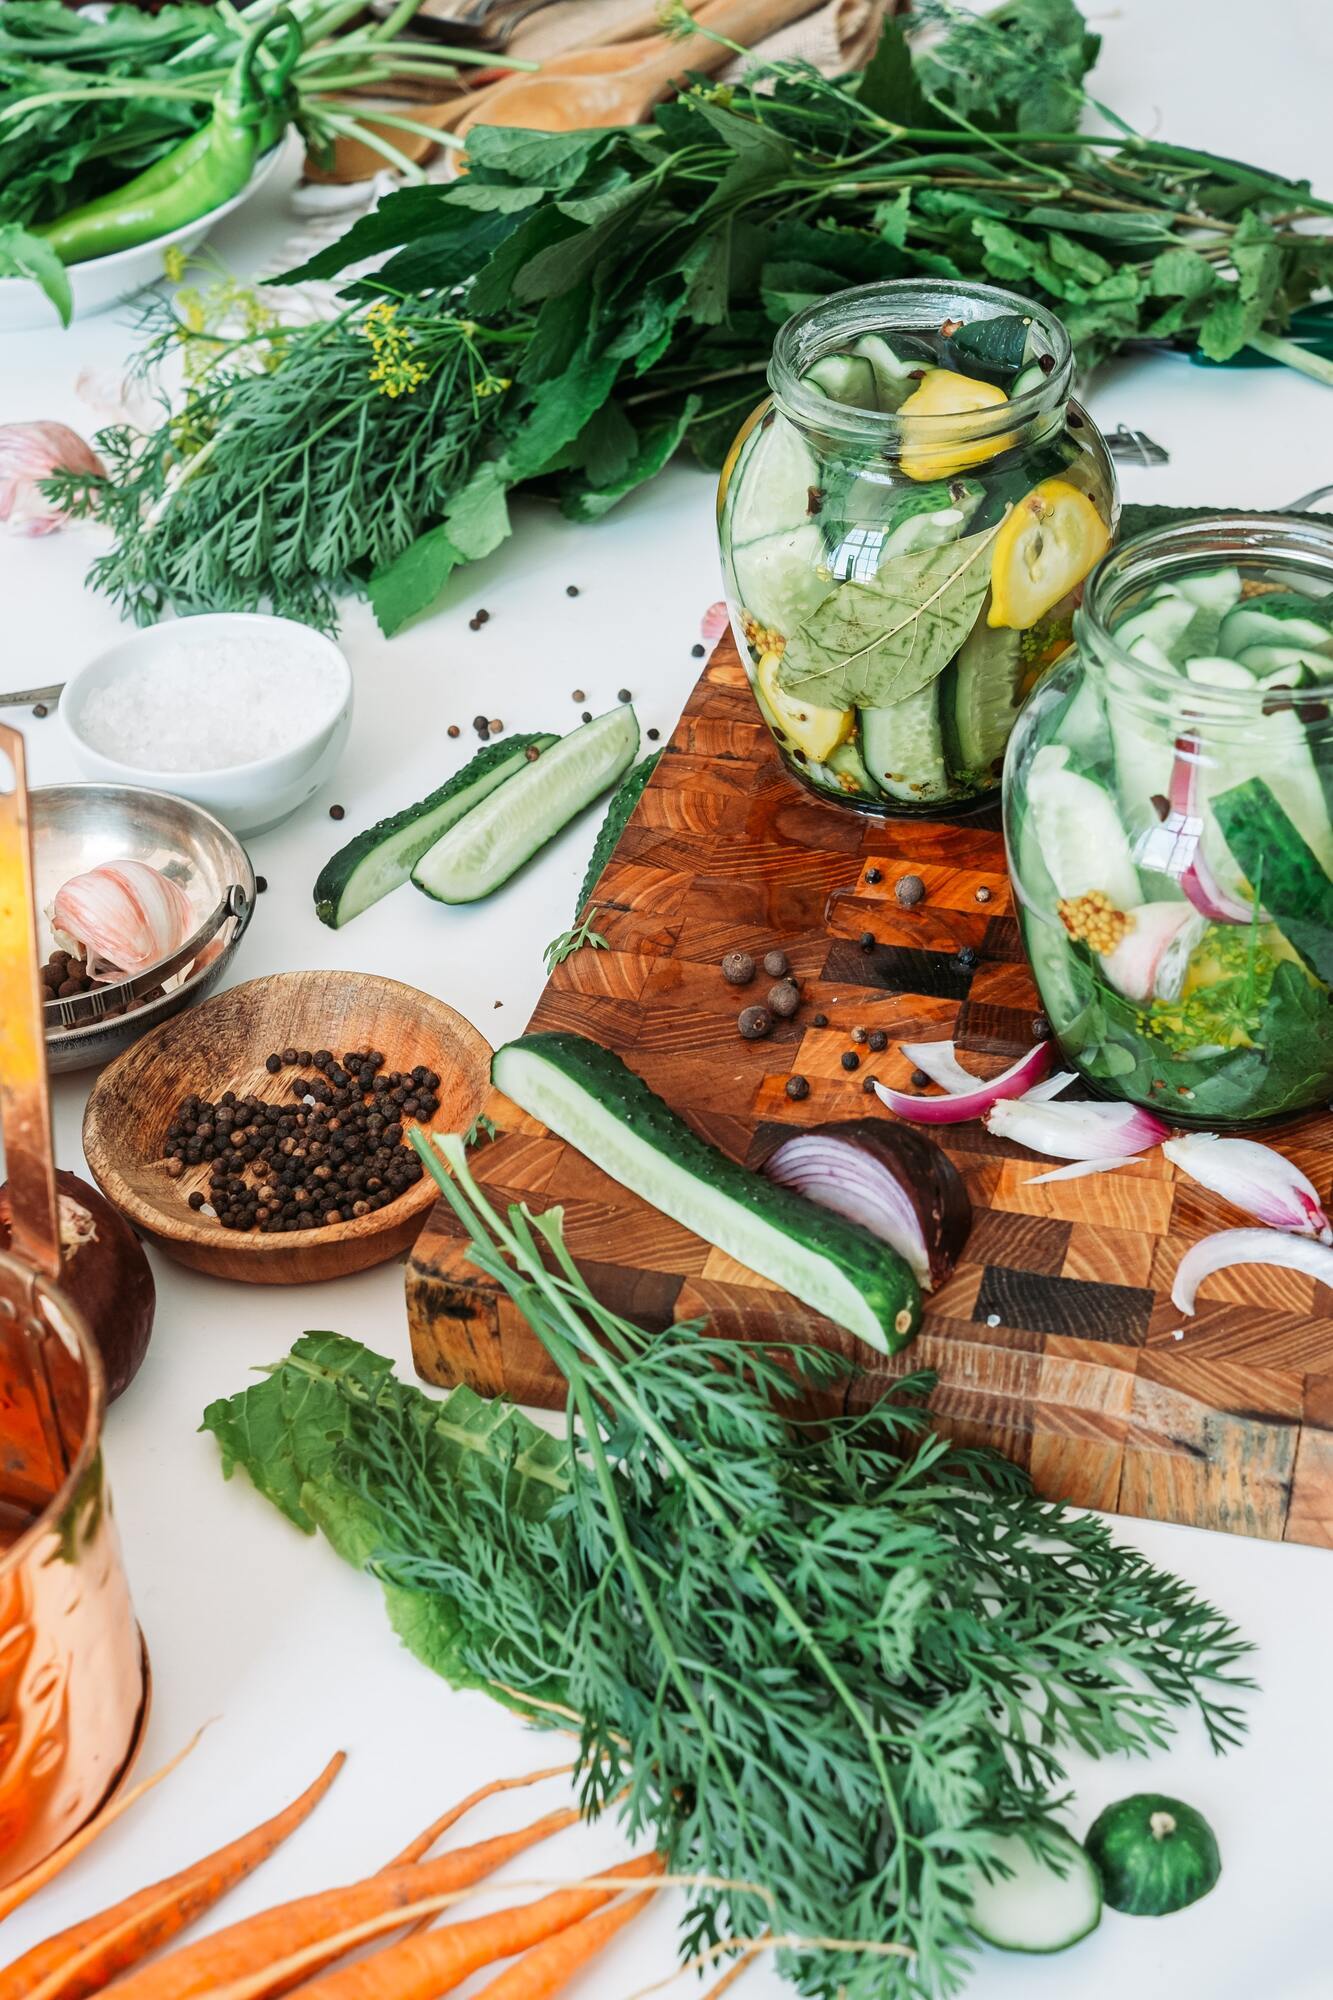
point(945, 394)
point(1046, 545)
point(817, 731)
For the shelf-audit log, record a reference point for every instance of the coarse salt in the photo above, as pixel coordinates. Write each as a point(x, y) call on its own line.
point(211, 703)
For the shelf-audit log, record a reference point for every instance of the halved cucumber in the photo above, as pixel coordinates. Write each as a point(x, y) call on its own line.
point(1269, 659)
point(1163, 622)
point(1212, 589)
point(586, 1095)
point(1041, 1905)
point(506, 829)
point(845, 378)
point(379, 860)
point(1078, 831)
point(770, 489)
point(892, 373)
point(782, 578)
point(904, 747)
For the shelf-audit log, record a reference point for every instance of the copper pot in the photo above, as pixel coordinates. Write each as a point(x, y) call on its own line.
point(73, 1675)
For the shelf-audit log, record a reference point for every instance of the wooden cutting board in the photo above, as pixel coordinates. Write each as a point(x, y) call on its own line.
point(1055, 1340)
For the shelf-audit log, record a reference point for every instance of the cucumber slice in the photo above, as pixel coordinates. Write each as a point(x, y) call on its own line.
point(1041, 1905)
point(1078, 831)
point(984, 690)
point(618, 815)
point(1027, 378)
point(1084, 727)
point(380, 860)
point(904, 747)
point(1278, 619)
point(586, 1095)
point(850, 773)
point(1163, 622)
point(845, 378)
point(505, 830)
point(1212, 589)
point(1269, 659)
point(770, 487)
point(1152, 655)
point(1216, 670)
point(782, 578)
point(891, 373)
point(888, 521)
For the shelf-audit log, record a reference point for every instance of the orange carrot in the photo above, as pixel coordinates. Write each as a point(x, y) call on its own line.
point(18, 1891)
point(310, 1921)
point(416, 1849)
point(548, 1968)
point(87, 1956)
point(730, 1976)
point(422, 1968)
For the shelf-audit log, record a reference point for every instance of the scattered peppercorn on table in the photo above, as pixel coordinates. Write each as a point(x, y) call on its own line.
point(286, 1646)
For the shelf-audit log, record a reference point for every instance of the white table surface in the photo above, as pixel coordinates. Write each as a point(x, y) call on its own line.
point(250, 1623)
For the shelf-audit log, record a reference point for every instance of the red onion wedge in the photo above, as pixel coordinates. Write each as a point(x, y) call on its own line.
point(1247, 1246)
point(1185, 858)
point(1253, 1177)
point(1077, 1131)
point(895, 1183)
point(971, 1097)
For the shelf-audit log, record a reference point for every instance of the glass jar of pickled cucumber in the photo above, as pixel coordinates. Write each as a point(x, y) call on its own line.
point(906, 525)
point(1168, 803)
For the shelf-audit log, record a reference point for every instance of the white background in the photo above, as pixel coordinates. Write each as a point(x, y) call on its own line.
point(250, 1623)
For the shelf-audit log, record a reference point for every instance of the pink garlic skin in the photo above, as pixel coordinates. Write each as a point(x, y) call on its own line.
point(121, 918)
point(30, 453)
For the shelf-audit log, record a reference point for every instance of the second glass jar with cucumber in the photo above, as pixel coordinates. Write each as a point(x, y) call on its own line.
point(905, 529)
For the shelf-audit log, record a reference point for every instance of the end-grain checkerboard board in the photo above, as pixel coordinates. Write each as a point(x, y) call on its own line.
point(1055, 1340)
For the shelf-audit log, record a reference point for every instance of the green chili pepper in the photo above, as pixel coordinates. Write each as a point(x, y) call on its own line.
point(205, 170)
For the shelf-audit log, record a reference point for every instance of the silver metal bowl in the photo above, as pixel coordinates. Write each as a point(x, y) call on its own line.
point(78, 827)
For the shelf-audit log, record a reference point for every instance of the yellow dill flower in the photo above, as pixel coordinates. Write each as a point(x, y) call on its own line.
point(393, 370)
point(174, 261)
point(494, 385)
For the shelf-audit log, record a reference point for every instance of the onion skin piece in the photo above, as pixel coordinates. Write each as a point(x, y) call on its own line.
point(956, 1108)
point(1077, 1131)
point(104, 1272)
point(932, 1184)
point(1247, 1246)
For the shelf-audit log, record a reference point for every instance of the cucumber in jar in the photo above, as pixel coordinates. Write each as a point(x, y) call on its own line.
point(777, 548)
point(904, 747)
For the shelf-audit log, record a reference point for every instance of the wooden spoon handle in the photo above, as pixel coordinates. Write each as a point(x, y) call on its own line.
point(741, 21)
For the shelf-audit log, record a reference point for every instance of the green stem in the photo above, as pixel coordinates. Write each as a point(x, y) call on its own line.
point(1294, 356)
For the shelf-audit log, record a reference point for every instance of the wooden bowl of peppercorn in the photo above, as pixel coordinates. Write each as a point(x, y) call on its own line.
point(264, 1136)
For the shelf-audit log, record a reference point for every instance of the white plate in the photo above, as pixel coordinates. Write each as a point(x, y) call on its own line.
point(104, 281)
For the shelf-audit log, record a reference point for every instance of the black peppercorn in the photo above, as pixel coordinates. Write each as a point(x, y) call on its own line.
point(571, 590)
point(983, 894)
point(867, 940)
point(850, 1059)
point(874, 875)
point(1041, 1027)
point(41, 711)
point(967, 956)
point(696, 651)
point(797, 1087)
point(821, 1020)
point(273, 1064)
point(586, 715)
point(653, 735)
point(623, 694)
point(337, 812)
point(858, 1035)
point(919, 1079)
point(878, 1039)
point(868, 1085)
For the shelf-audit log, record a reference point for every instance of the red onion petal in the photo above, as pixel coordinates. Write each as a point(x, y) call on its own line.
point(1189, 864)
point(960, 1105)
point(1247, 1246)
point(1254, 1177)
point(1077, 1131)
point(1076, 1169)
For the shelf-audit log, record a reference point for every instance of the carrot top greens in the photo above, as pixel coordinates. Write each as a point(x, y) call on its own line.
point(834, 1662)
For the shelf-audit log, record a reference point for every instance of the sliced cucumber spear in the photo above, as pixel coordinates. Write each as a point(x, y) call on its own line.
point(585, 1094)
point(1042, 1904)
point(381, 859)
point(507, 828)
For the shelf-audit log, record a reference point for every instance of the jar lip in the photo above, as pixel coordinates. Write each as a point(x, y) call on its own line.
point(1180, 548)
point(886, 308)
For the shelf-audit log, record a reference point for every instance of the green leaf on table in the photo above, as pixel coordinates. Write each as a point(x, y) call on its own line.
point(23, 255)
point(874, 643)
point(477, 519)
point(412, 582)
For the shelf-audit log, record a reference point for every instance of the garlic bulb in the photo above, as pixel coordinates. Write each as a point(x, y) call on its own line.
point(121, 918)
point(30, 453)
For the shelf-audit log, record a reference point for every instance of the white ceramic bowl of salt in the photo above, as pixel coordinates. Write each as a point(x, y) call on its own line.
point(245, 715)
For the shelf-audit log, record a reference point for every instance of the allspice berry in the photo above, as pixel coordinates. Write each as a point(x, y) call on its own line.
point(755, 1023)
point(738, 968)
point(909, 889)
point(775, 964)
point(784, 999)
